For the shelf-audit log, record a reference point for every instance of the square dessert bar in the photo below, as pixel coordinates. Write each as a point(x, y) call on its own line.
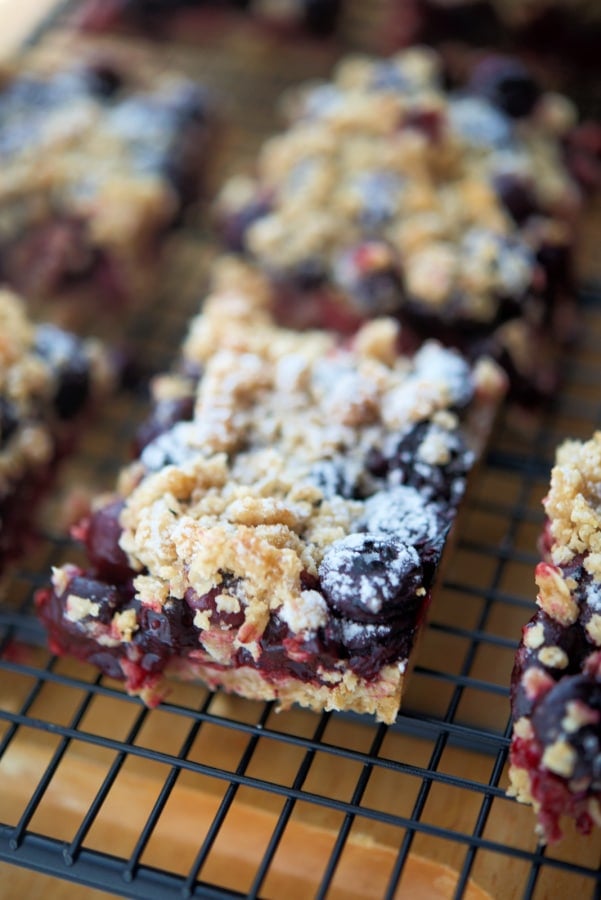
point(189, 18)
point(280, 532)
point(48, 378)
point(555, 757)
point(450, 210)
point(100, 157)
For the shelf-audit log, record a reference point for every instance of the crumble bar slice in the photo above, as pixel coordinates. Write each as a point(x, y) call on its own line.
point(100, 157)
point(278, 536)
point(388, 195)
point(48, 378)
point(555, 758)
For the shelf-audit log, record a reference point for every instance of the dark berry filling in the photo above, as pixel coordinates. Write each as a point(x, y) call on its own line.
point(371, 579)
point(551, 721)
point(507, 84)
point(517, 195)
point(65, 354)
point(572, 640)
point(100, 533)
point(374, 586)
point(9, 420)
point(435, 483)
point(370, 276)
point(165, 414)
point(564, 709)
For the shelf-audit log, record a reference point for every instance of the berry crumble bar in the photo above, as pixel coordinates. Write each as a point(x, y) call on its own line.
point(100, 157)
point(48, 377)
point(555, 760)
point(453, 211)
point(280, 532)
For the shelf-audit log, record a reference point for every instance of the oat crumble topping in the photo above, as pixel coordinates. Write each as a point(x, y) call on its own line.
point(573, 504)
point(382, 158)
point(555, 684)
point(33, 362)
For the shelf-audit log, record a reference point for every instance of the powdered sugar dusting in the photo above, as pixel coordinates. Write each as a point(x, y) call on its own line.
point(306, 612)
point(592, 596)
point(436, 363)
point(403, 513)
point(363, 573)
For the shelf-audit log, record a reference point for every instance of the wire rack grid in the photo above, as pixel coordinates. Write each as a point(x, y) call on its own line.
point(212, 796)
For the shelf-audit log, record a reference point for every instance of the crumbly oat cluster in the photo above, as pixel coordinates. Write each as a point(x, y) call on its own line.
point(279, 534)
point(556, 685)
point(47, 377)
point(98, 159)
point(388, 195)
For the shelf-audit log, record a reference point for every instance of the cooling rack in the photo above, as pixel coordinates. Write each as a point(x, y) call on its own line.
point(212, 796)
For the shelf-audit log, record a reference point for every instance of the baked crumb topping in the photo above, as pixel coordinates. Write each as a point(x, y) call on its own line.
point(573, 504)
point(46, 375)
point(382, 171)
point(555, 683)
point(98, 158)
point(253, 485)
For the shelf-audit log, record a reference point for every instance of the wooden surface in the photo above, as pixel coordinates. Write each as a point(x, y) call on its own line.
point(309, 837)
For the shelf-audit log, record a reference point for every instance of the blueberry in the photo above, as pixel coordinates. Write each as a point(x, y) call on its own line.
point(235, 225)
point(209, 603)
point(387, 75)
point(107, 598)
point(65, 353)
point(517, 196)
point(104, 79)
point(507, 84)
point(171, 447)
point(551, 722)
point(479, 123)
point(402, 512)
point(572, 640)
point(370, 275)
point(165, 414)
point(379, 193)
point(165, 632)
point(370, 578)
point(8, 420)
point(335, 478)
point(442, 483)
point(101, 536)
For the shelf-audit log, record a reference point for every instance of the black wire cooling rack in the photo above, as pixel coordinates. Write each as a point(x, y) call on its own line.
point(212, 796)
